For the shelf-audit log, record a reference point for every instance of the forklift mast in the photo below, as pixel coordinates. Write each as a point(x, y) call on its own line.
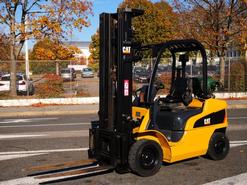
point(112, 134)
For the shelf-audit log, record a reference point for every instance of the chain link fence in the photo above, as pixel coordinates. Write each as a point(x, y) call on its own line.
point(52, 79)
point(49, 82)
point(235, 75)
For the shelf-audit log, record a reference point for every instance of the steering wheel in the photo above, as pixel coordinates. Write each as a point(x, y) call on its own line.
point(136, 91)
point(187, 97)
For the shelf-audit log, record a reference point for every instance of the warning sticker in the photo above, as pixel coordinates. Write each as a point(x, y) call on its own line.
point(126, 87)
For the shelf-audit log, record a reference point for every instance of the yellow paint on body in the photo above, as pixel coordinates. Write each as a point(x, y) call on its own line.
point(194, 141)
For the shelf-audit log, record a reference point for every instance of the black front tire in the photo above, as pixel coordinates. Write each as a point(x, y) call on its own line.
point(218, 146)
point(145, 158)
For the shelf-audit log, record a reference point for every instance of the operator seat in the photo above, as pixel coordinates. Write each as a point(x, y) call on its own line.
point(181, 89)
point(197, 89)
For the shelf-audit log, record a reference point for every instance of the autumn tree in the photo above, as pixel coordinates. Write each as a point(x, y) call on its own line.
point(158, 24)
point(26, 19)
point(4, 52)
point(4, 47)
point(94, 50)
point(47, 54)
point(47, 49)
point(217, 24)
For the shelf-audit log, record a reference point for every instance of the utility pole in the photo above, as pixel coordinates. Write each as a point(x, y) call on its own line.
point(27, 61)
point(229, 74)
point(26, 52)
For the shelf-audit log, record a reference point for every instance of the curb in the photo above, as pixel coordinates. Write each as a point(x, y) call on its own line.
point(49, 101)
point(87, 100)
point(47, 113)
point(237, 106)
point(78, 112)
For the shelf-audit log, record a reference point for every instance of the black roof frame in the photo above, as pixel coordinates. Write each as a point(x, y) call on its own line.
point(175, 46)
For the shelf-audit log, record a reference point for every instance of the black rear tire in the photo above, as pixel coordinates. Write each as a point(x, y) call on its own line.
point(145, 158)
point(218, 146)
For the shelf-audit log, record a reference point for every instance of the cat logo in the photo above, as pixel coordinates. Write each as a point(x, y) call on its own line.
point(126, 49)
point(207, 121)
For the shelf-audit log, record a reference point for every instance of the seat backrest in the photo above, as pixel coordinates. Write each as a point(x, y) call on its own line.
point(179, 87)
point(196, 86)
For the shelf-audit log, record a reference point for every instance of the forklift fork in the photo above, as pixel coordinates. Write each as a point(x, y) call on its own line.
point(68, 171)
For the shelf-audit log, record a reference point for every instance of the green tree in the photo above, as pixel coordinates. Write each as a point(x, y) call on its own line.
point(37, 19)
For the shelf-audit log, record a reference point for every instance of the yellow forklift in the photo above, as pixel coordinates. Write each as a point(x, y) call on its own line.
point(138, 135)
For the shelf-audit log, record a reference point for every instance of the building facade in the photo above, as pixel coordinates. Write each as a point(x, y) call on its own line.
point(84, 48)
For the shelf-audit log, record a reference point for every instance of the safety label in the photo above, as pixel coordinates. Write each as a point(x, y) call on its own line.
point(126, 87)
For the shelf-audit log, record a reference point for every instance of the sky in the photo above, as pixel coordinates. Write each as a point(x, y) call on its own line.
point(99, 6)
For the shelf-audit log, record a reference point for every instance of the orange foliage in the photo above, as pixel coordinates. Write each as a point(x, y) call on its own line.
point(217, 24)
point(47, 49)
point(52, 87)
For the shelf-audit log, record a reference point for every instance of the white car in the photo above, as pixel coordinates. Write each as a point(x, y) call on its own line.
point(68, 74)
point(21, 84)
point(87, 73)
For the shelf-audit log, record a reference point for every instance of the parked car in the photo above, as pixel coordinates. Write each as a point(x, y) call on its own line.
point(68, 74)
point(87, 73)
point(141, 75)
point(22, 84)
point(1, 74)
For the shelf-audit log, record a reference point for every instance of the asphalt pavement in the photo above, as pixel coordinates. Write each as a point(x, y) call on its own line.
point(32, 141)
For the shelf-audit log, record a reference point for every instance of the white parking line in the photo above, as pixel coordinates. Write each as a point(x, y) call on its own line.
point(43, 151)
point(44, 125)
point(237, 143)
point(22, 181)
point(21, 154)
point(233, 118)
point(46, 134)
point(21, 136)
point(17, 156)
point(28, 120)
point(240, 179)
